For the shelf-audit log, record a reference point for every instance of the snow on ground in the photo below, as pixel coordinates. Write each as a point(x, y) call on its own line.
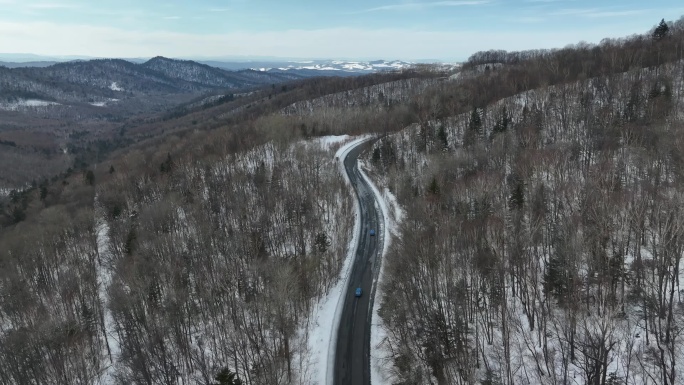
point(13, 106)
point(104, 279)
point(115, 87)
point(323, 326)
point(103, 103)
point(328, 141)
point(380, 356)
point(325, 322)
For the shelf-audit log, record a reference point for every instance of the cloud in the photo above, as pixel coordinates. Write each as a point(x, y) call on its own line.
point(417, 6)
point(617, 13)
point(51, 6)
point(316, 43)
point(528, 19)
point(171, 17)
point(598, 12)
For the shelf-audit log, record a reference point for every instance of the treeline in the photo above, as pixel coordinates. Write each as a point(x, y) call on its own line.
point(528, 70)
point(543, 237)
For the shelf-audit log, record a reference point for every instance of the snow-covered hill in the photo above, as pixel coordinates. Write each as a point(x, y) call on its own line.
point(340, 65)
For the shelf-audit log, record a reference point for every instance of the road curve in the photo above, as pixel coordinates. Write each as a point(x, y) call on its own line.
point(352, 353)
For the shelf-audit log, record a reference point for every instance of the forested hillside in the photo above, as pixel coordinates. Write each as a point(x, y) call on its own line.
point(168, 280)
point(543, 234)
point(200, 246)
point(541, 239)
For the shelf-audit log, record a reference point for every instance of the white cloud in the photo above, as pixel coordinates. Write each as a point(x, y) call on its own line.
point(423, 5)
point(51, 6)
point(171, 17)
point(617, 13)
point(56, 39)
point(598, 12)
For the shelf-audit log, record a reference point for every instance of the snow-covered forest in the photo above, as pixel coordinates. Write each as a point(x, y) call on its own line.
point(536, 212)
point(214, 265)
point(543, 235)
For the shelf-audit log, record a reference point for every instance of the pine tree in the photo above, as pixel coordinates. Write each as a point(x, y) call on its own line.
point(433, 188)
point(226, 377)
point(322, 242)
point(661, 31)
point(442, 135)
point(475, 123)
point(517, 199)
point(501, 123)
point(89, 177)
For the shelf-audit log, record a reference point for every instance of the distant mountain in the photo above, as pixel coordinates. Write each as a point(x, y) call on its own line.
point(29, 57)
point(10, 64)
point(315, 67)
point(302, 68)
point(198, 73)
point(103, 79)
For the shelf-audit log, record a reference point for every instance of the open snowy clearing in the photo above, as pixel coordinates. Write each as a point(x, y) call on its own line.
point(104, 103)
point(26, 103)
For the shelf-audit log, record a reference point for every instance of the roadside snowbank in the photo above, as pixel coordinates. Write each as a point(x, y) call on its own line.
point(392, 216)
point(322, 329)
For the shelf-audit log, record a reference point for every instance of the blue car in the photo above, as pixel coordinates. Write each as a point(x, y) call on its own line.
point(372, 232)
point(358, 291)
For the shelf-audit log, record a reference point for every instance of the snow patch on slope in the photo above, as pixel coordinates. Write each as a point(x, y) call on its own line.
point(26, 103)
point(115, 87)
point(103, 103)
point(104, 280)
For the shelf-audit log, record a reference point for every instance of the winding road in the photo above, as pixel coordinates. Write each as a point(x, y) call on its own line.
point(352, 354)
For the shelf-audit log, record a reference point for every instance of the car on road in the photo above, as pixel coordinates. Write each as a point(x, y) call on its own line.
point(372, 232)
point(358, 292)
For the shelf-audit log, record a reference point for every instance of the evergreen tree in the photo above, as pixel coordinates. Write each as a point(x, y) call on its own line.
point(442, 135)
point(226, 377)
point(475, 123)
point(322, 242)
point(433, 188)
point(502, 123)
point(43, 192)
point(376, 155)
point(661, 31)
point(517, 199)
point(166, 165)
point(89, 177)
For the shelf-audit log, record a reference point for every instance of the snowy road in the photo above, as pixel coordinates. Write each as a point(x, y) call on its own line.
point(352, 356)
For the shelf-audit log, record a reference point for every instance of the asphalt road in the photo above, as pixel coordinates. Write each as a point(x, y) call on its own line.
point(352, 355)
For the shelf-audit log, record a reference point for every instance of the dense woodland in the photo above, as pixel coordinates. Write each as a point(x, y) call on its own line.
point(186, 246)
point(170, 279)
point(544, 233)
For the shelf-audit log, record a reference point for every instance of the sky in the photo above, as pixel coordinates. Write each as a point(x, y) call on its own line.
point(413, 30)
